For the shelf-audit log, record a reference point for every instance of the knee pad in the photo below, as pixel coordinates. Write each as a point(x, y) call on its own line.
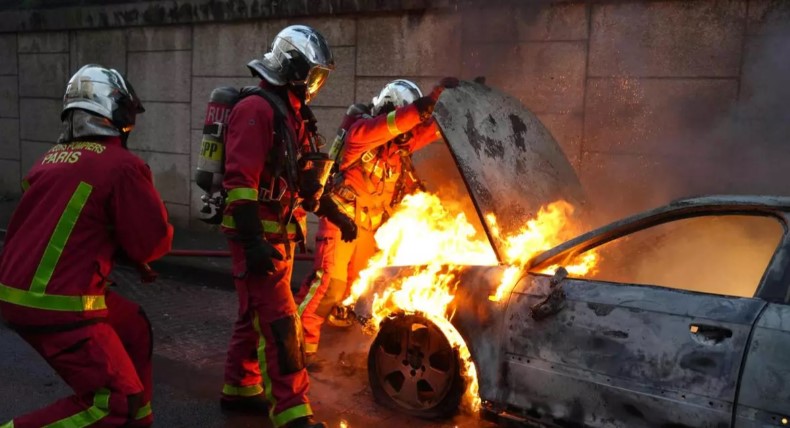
point(334, 294)
point(289, 340)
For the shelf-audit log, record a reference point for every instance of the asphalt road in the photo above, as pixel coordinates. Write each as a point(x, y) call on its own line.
point(192, 313)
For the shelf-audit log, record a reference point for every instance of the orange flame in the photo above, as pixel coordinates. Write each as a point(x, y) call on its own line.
point(422, 232)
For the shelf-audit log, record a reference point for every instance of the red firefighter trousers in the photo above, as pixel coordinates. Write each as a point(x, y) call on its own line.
point(337, 265)
point(267, 344)
point(107, 364)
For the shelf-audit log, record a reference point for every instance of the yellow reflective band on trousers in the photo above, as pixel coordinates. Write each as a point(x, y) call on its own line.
point(313, 288)
point(89, 416)
point(143, 411)
point(393, 128)
point(267, 225)
point(9, 424)
point(242, 391)
point(36, 296)
point(242, 194)
point(286, 416)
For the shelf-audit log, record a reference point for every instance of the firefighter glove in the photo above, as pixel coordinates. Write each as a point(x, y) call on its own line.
point(329, 209)
point(425, 106)
point(258, 253)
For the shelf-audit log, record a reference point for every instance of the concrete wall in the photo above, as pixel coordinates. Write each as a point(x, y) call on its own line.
point(650, 100)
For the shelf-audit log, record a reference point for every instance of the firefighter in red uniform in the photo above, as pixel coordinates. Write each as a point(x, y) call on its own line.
point(374, 166)
point(85, 202)
point(263, 220)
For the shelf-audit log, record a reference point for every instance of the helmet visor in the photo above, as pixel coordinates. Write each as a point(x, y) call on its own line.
point(315, 80)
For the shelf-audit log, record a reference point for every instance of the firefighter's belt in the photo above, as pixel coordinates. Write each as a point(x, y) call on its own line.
point(51, 302)
point(268, 225)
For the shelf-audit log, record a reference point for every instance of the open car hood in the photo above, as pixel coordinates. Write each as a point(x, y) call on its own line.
point(509, 162)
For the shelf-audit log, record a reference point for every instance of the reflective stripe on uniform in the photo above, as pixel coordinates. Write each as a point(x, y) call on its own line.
point(49, 302)
point(25, 186)
point(242, 194)
point(36, 296)
point(310, 348)
point(143, 412)
point(59, 238)
point(313, 288)
point(89, 416)
point(9, 424)
point(268, 225)
point(242, 391)
point(289, 415)
point(391, 125)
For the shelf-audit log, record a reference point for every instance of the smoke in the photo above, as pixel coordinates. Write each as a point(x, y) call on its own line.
point(639, 140)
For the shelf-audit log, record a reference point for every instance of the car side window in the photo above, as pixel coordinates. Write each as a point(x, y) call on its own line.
point(725, 255)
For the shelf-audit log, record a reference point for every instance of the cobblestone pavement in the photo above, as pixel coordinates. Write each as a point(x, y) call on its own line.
point(191, 317)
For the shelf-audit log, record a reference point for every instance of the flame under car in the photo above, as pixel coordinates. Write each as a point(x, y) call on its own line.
point(684, 320)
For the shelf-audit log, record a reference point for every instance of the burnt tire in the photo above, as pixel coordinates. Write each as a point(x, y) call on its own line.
point(413, 369)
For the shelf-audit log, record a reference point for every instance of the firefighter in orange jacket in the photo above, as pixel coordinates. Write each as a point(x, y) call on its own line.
point(263, 221)
point(87, 200)
point(373, 166)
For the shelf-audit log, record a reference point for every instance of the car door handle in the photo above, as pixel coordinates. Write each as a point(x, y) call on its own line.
point(712, 333)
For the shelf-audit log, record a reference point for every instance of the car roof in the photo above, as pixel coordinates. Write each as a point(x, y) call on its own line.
point(710, 204)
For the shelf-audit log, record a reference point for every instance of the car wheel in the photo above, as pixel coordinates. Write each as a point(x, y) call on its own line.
point(413, 369)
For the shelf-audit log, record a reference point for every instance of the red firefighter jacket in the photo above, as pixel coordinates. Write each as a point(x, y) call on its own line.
point(83, 202)
point(371, 168)
point(248, 171)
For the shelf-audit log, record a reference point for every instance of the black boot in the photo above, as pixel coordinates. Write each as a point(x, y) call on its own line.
point(305, 422)
point(255, 405)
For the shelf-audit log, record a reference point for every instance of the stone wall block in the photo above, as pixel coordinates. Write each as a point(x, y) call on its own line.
point(106, 48)
point(8, 45)
point(9, 178)
point(338, 31)
point(540, 21)
point(657, 116)
point(225, 49)
point(31, 152)
point(680, 39)
point(201, 91)
point(178, 214)
point(164, 127)
point(43, 75)
point(764, 80)
point(567, 131)
point(160, 38)
point(339, 88)
point(171, 175)
point(409, 45)
point(9, 96)
point(768, 17)
point(163, 76)
point(9, 139)
point(488, 24)
point(41, 119)
point(44, 42)
point(545, 76)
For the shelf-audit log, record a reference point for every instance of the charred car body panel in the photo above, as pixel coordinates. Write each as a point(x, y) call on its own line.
point(611, 354)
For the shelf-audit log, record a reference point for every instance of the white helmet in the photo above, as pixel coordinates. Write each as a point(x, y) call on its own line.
point(98, 102)
point(395, 94)
point(300, 57)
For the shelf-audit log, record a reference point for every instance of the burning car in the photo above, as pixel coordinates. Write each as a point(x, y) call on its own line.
point(675, 317)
